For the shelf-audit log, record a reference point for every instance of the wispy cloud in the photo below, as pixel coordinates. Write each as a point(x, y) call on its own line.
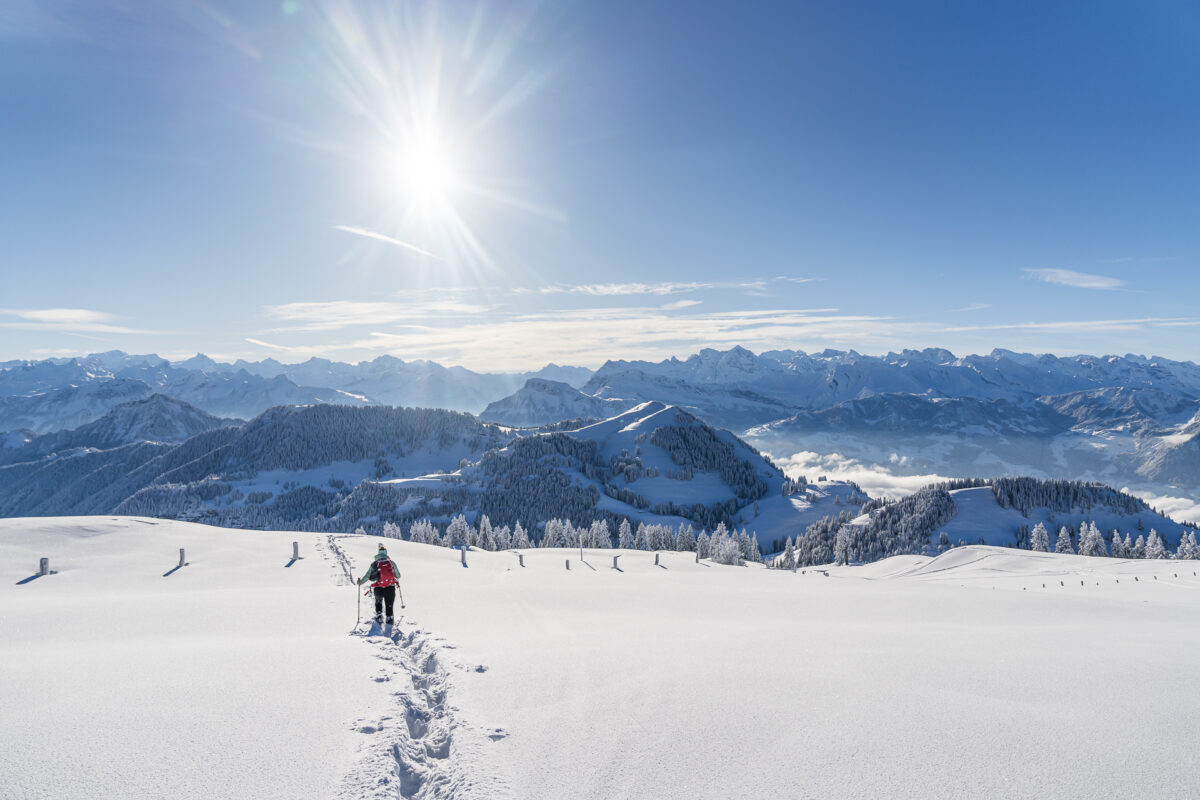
point(1083, 325)
point(65, 320)
point(381, 237)
point(1079, 280)
point(338, 314)
point(661, 288)
point(591, 336)
point(678, 304)
point(616, 289)
point(969, 307)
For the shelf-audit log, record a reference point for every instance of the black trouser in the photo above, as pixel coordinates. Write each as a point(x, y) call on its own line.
point(384, 594)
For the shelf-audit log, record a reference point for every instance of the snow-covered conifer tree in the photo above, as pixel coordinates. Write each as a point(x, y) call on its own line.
point(1155, 547)
point(841, 546)
point(1188, 549)
point(458, 532)
point(641, 540)
point(1091, 543)
point(1039, 539)
point(789, 555)
point(1116, 547)
point(600, 535)
point(503, 537)
point(625, 535)
point(487, 538)
point(1063, 545)
point(1139, 548)
point(520, 537)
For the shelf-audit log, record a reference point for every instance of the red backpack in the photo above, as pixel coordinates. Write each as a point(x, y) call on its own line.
point(387, 573)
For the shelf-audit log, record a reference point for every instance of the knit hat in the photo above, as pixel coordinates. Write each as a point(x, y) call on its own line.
point(382, 554)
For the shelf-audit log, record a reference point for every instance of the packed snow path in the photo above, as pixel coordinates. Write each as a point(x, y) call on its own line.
point(411, 750)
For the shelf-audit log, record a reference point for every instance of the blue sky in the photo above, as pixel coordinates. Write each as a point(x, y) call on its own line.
point(500, 185)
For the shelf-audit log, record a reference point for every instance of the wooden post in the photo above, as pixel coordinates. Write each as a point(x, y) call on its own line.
point(462, 549)
point(521, 559)
point(656, 559)
point(568, 565)
point(615, 561)
point(296, 551)
point(44, 567)
point(697, 556)
point(182, 558)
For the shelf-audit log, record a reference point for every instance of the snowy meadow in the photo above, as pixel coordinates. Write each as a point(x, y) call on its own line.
point(537, 674)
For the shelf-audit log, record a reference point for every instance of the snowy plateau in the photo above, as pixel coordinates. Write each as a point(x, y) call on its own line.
point(982, 672)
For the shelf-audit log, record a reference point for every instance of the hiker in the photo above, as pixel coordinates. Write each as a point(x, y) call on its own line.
point(382, 575)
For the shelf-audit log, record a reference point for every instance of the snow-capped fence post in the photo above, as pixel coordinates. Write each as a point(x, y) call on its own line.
point(182, 558)
point(615, 561)
point(697, 556)
point(44, 566)
point(656, 560)
point(462, 549)
point(568, 565)
point(521, 559)
point(296, 551)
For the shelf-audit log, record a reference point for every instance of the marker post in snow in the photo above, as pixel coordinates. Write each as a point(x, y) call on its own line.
point(296, 551)
point(44, 567)
point(182, 558)
point(462, 549)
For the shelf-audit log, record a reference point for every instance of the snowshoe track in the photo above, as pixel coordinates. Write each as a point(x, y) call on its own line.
point(414, 749)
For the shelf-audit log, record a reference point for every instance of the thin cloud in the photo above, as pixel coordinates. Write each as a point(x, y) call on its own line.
point(678, 304)
point(1083, 325)
point(591, 336)
point(1078, 280)
point(338, 314)
point(65, 320)
point(663, 288)
point(380, 237)
point(970, 307)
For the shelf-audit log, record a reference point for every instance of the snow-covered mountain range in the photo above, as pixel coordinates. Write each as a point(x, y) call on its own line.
point(56, 394)
point(1128, 420)
point(541, 402)
point(331, 467)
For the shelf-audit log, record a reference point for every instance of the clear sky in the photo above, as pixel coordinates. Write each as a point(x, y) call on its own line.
point(504, 184)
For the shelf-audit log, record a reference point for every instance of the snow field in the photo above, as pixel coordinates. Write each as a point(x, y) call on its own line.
point(230, 677)
point(911, 677)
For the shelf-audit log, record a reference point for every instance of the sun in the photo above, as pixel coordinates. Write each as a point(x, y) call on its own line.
point(428, 170)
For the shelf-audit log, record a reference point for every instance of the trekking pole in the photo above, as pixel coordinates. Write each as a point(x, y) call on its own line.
point(398, 589)
point(358, 617)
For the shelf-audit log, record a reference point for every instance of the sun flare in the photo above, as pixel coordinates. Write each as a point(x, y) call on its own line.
point(427, 171)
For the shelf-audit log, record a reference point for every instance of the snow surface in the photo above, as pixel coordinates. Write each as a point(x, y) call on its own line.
point(237, 676)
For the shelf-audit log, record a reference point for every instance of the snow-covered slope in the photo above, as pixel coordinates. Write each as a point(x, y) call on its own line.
point(289, 463)
point(338, 467)
point(48, 410)
point(1001, 511)
point(540, 402)
point(236, 676)
point(158, 418)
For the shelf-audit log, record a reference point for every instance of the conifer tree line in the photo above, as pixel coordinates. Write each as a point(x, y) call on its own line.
point(1089, 541)
point(908, 525)
point(723, 545)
